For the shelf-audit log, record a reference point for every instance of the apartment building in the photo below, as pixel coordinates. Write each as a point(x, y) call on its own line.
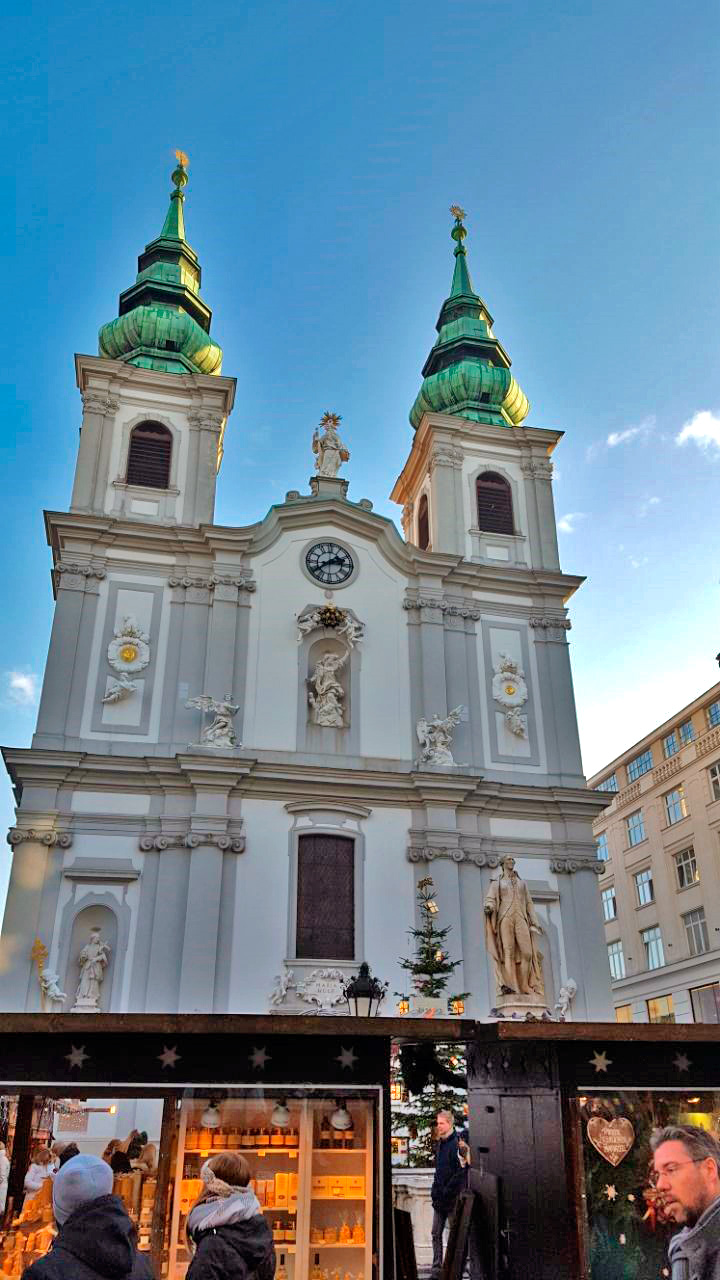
point(660, 841)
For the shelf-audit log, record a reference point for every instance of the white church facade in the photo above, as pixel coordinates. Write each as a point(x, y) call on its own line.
point(253, 742)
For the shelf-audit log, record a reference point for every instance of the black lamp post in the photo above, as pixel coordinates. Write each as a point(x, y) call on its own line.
point(365, 994)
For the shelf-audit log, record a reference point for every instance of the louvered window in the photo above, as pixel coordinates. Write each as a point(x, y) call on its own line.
point(495, 513)
point(326, 898)
point(423, 524)
point(149, 456)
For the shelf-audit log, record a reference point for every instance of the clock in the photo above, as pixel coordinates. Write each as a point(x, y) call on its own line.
point(329, 563)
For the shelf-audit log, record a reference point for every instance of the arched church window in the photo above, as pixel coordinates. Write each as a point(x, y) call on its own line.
point(325, 898)
point(149, 456)
point(423, 524)
point(494, 499)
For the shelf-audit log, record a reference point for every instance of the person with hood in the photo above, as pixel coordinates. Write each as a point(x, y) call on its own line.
point(41, 1168)
point(96, 1239)
point(687, 1175)
point(68, 1152)
point(4, 1175)
point(226, 1227)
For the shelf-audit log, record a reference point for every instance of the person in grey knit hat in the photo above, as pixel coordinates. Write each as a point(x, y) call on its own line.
point(96, 1240)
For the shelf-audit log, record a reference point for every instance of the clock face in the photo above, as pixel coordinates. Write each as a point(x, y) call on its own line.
point(329, 563)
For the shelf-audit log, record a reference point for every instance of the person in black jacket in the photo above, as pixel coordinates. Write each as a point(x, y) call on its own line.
point(96, 1240)
point(449, 1181)
point(226, 1227)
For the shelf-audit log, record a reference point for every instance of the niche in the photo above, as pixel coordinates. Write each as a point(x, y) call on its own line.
point(92, 917)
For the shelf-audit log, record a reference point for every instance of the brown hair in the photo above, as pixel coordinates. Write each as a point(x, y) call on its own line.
point(41, 1155)
point(698, 1142)
point(230, 1167)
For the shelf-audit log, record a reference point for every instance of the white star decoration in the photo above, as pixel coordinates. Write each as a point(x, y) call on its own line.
point(77, 1057)
point(610, 1192)
point(600, 1061)
point(169, 1057)
point(682, 1062)
point(259, 1057)
point(347, 1058)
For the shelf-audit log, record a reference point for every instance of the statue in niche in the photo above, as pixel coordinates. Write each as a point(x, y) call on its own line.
point(435, 738)
point(511, 932)
point(220, 732)
point(93, 960)
point(326, 697)
point(329, 450)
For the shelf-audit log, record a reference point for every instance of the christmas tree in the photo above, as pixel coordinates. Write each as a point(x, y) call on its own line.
point(430, 1078)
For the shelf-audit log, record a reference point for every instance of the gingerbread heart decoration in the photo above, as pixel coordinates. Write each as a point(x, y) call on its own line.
point(612, 1138)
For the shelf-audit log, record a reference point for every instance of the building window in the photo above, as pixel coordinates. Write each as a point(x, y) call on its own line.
point(661, 1009)
point(686, 733)
point(675, 805)
point(640, 765)
point(608, 784)
point(635, 827)
point(149, 456)
point(713, 714)
point(714, 775)
point(423, 524)
point(706, 1002)
point(686, 868)
point(623, 1013)
point(644, 887)
point(617, 960)
point(325, 898)
point(601, 842)
point(652, 942)
point(609, 903)
point(398, 1092)
point(696, 932)
point(670, 745)
point(494, 500)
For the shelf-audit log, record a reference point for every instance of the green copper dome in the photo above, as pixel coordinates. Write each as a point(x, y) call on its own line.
point(468, 372)
point(163, 322)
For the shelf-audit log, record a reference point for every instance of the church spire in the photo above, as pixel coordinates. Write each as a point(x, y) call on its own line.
point(162, 322)
point(468, 372)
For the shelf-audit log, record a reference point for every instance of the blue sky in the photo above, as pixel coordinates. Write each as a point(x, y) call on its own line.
point(326, 143)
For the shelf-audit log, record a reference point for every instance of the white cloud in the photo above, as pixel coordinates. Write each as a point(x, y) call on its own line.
point(640, 432)
point(638, 562)
point(648, 505)
point(21, 688)
point(567, 523)
point(703, 428)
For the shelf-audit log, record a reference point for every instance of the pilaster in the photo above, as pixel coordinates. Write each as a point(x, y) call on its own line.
point(63, 693)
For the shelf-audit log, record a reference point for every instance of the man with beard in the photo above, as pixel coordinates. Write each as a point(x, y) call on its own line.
point(687, 1174)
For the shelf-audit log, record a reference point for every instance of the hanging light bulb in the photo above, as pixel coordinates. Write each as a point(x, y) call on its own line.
point(210, 1118)
point(280, 1118)
point(340, 1118)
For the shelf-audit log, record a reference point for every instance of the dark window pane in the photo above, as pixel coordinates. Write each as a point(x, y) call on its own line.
point(149, 456)
point(326, 898)
point(423, 524)
point(495, 513)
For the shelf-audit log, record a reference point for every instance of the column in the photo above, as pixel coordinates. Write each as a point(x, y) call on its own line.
point(447, 510)
point(97, 408)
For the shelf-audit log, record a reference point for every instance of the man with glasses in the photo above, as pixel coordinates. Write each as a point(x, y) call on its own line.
point(687, 1173)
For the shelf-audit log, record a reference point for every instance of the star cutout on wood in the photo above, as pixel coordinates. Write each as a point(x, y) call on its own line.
point(611, 1191)
point(682, 1062)
point(347, 1058)
point(169, 1057)
point(600, 1061)
point(77, 1057)
point(259, 1057)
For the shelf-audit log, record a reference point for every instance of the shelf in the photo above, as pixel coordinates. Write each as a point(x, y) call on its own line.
point(338, 1151)
point(350, 1245)
point(273, 1208)
point(284, 1248)
point(243, 1151)
point(338, 1199)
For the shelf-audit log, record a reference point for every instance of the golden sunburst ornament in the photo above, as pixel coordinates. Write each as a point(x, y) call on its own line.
point(330, 419)
point(129, 652)
point(457, 212)
point(182, 159)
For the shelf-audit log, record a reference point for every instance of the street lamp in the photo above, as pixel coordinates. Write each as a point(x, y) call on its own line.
point(365, 994)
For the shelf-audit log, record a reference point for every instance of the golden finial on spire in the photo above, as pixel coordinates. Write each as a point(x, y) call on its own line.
point(330, 419)
point(182, 159)
point(457, 212)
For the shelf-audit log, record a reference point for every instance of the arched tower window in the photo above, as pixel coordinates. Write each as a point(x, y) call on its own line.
point(494, 499)
point(149, 456)
point(423, 524)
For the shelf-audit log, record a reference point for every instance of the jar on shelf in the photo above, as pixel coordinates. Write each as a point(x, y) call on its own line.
point(325, 1139)
point(205, 1140)
point(219, 1138)
point(192, 1138)
point(278, 1230)
point(264, 1136)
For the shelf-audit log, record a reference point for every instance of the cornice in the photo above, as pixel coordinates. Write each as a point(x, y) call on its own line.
point(93, 373)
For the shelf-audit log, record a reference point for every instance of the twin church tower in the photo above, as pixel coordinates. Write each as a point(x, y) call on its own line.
point(253, 742)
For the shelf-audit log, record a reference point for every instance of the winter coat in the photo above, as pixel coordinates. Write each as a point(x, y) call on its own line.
point(695, 1251)
point(35, 1176)
point(450, 1175)
point(234, 1252)
point(4, 1175)
point(97, 1242)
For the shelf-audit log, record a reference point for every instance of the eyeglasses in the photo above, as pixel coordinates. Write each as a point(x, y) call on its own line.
point(671, 1169)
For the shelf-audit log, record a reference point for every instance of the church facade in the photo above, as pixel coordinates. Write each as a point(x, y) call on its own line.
point(253, 742)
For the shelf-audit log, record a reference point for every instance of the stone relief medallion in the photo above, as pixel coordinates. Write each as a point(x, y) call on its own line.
point(324, 989)
point(129, 651)
point(510, 690)
point(612, 1138)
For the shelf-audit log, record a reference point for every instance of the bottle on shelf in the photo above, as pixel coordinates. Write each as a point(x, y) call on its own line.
point(325, 1139)
point(316, 1273)
point(191, 1138)
point(264, 1135)
point(277, 1136)
point(278, 1230)
point(291, 1231)
point(245, 1138)
point(281, 1273)
point(292, 1138)
point(358, 1231)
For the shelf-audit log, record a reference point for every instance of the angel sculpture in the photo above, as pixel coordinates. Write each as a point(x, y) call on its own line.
point(327, 698)
point(220, 732)
point(435, 738)
point(119, 689)
point(565, 998)
point(50, 985)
